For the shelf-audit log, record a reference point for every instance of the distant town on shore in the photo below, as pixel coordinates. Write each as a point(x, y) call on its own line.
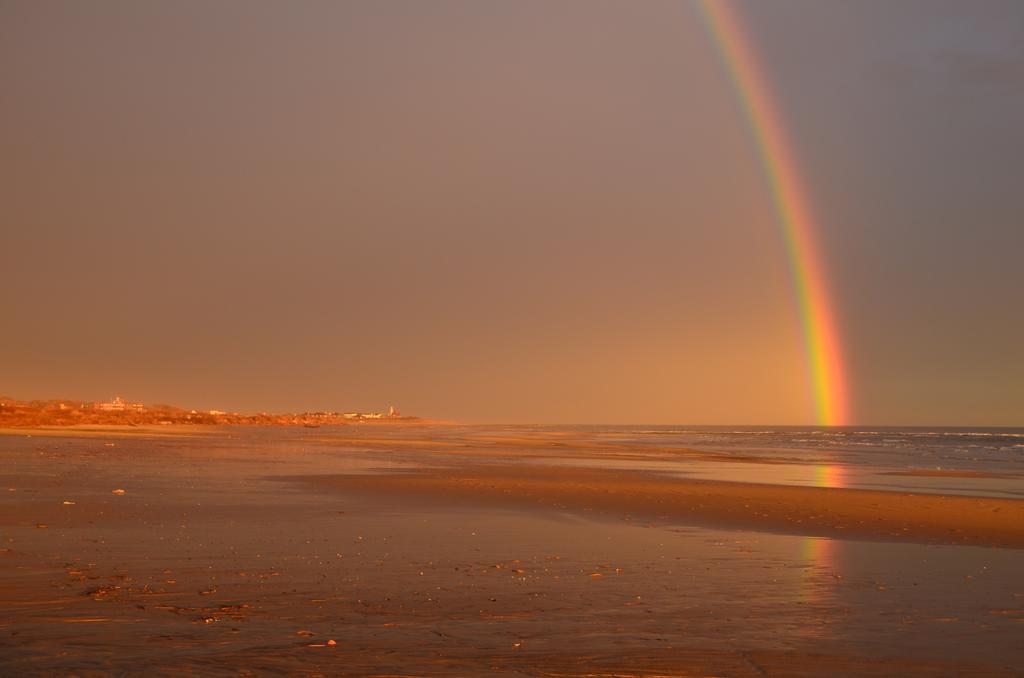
point(119, 411)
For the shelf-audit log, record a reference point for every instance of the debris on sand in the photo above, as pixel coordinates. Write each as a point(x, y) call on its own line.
point(329, 643)
point(103, 592)
point(118, 491)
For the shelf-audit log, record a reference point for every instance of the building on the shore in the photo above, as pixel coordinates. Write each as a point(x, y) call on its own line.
point(118, 404)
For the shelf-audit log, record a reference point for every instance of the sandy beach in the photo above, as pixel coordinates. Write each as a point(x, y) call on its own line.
point(446, 551)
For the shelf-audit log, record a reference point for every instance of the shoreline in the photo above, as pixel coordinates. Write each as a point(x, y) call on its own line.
point(790, 509)
point(57, 430)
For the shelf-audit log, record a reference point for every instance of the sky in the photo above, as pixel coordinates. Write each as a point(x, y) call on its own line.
point(508, 211)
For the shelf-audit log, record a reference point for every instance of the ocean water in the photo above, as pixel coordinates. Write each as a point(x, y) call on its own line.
point(981, 449)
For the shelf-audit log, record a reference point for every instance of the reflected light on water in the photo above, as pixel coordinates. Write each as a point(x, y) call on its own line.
point(826, 475)
point(821, 554)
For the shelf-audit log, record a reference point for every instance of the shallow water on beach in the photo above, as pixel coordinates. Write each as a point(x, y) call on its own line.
point(979, 462)
point(823, 475)
point(216, 558)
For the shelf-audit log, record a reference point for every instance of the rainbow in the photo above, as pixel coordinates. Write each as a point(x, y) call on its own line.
point(821, 339)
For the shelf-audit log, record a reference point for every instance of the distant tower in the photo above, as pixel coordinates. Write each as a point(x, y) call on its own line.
point(393, 413)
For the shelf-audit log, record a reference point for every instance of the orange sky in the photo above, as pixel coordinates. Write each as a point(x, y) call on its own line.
point(506, 211)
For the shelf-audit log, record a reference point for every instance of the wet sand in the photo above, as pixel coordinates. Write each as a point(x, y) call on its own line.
point(828, 512)
point(939, 473)
point(429, 553)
